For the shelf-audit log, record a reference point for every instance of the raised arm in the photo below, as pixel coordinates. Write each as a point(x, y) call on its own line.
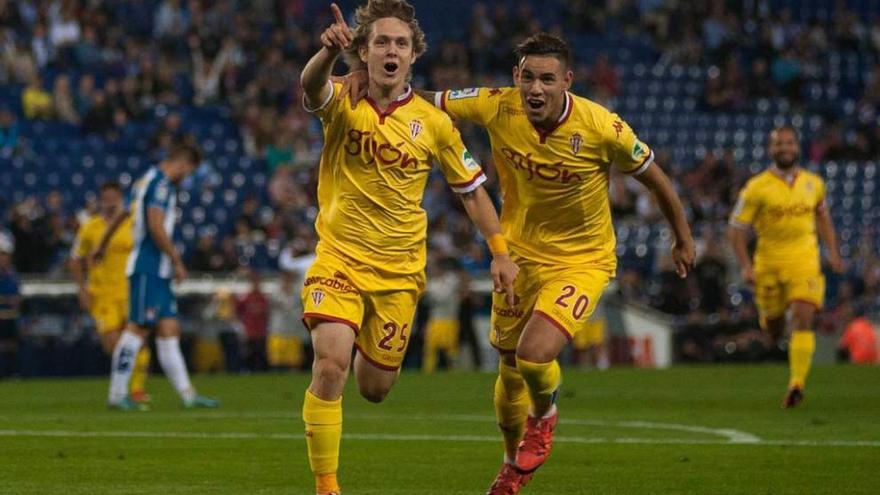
point(316, 74)
point(482, 212)
point(658, 183)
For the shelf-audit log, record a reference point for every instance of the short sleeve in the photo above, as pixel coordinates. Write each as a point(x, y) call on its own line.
point(160, 196)
point(327, 108)
point(462, 172)
point(83, 244)
point(746, 208)
point(478, 105)
point(625, 151)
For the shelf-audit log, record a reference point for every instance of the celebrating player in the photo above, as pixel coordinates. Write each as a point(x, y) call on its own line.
point(103, 287)
point(553, 152)
point(786, 206)
point(363, 287)
point(150, 268)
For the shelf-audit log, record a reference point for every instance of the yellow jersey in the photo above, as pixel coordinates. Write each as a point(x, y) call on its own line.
point(373, 172)
point(107, 276)
point(783, 215)
point(554, 184)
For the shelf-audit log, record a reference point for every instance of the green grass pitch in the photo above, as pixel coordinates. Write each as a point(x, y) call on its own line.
point(688, 430)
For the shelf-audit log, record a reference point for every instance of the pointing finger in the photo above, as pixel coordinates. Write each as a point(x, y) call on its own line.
point(338, 14)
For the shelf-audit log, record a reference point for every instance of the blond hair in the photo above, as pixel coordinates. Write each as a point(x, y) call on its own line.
point(366, 15)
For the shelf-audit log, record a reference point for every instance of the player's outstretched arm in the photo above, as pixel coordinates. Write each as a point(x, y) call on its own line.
point(316, 73)
point(683, 252)
point(482, 212)
point(825, 229)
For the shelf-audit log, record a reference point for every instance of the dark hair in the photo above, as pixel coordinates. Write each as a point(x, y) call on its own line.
point(186, 151)
point(543, 44)
point(111, 185)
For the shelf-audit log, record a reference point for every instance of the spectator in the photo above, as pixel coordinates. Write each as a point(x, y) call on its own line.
point(442, 330)
point(171, 20)
point(65, 108)
point(9, 141)
point(36, 102)
point(253, 311)
point(84, 93)
point(208, 256)
point(99, 119)
point(10, 300)
point(287, 333)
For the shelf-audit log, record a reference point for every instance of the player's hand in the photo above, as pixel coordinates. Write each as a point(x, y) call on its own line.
point(179, 270)
point(836, 262)
point(338, 36)
point(747, 273)
point(354, 84)
point(683, 255)
point(85, 299)
point(504, 272)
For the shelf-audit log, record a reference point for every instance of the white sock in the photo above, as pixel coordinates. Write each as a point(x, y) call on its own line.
point(174, 366)
point(124, 355)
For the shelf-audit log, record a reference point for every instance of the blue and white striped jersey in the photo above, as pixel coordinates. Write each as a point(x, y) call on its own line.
point(152, 190)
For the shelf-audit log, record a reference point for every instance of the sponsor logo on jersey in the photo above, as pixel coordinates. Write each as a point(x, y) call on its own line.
point(618, 127)
point(552, 172)
point(468, 160)
point(415, 128)
point(364, 144)
point(317, 297)
point(794, 210)
point(330, 283)
point(460, 94)
point(508, 312)
point(576, 141)
point(494, 92)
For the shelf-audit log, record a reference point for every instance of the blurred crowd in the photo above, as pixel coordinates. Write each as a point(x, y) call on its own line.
point(108, 68)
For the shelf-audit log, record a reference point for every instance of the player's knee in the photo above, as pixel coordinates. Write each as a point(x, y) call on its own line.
point(329, 371)
point(374, 392)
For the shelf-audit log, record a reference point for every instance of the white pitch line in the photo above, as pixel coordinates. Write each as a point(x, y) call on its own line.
point(732, 436)
point(420, 438)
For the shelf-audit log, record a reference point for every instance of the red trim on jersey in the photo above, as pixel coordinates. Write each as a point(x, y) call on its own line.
point(555, 323)
point(374, 362)
point(468, 183)
point(566, 113)
point(394, 105)
point(443, 101)
point(329, 319)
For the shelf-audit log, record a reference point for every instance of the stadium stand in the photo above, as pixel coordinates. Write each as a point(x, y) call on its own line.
point(87, 95)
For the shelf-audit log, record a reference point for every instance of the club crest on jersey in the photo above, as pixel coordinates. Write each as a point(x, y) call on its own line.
point(576, 141)
point(317, 297)
point(415, 128)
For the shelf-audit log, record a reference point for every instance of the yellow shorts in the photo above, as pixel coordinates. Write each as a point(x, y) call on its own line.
point(593, 334)
point(110, 312)
point(777, 286)
point(564, 295)
point(338, 290)
point(442, 334)
point(284, 351)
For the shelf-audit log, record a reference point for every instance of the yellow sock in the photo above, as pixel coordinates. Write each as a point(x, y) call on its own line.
point(323, 421)
point(543, 380)
point(511, 407)
point(800, 356)
point(141, 369)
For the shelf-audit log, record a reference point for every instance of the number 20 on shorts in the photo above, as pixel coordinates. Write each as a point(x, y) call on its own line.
point(580, 304)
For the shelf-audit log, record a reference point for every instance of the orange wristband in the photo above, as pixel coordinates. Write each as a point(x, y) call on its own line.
point(497, 244)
